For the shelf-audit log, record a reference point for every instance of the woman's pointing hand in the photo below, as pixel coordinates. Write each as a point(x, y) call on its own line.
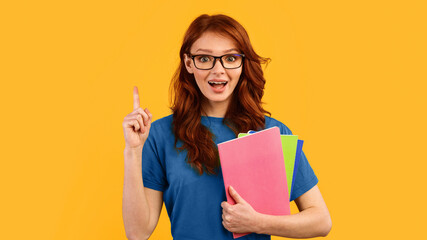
point(136, 125)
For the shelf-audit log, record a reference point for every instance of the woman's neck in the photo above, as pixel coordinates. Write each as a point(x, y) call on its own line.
point(215, 109)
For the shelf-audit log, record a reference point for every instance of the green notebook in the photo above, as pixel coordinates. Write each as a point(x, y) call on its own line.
point(289, 146)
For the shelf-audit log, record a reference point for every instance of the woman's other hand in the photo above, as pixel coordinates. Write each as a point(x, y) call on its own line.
point(240, 217)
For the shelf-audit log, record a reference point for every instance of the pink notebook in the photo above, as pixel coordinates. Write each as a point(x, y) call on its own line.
point(255, 167)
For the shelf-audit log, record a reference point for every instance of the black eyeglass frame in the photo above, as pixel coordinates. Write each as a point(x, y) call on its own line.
point(220, 59)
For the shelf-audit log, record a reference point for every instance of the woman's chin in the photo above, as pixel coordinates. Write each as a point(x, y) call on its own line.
point(219, 99)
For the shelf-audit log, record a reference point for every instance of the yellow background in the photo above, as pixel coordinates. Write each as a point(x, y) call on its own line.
point(348, 77)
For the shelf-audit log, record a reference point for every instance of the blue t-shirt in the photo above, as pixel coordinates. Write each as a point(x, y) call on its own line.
point(193, 202)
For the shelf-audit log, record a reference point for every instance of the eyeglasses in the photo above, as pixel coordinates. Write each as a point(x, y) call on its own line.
point(228, 61)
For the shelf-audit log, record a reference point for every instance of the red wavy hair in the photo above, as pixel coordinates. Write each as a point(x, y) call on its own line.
point(244, 112)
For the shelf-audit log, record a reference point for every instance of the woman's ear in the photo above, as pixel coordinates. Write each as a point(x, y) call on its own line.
point(187, 62)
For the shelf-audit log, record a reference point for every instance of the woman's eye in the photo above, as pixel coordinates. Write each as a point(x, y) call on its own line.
point(204, 59)
point(231, 58)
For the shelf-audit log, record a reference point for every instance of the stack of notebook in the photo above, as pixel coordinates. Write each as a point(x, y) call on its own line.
point(260, 166)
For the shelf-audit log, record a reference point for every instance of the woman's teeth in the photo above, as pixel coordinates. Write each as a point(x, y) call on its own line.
point(212, 83)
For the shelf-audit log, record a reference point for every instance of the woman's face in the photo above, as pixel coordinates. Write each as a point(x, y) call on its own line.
point(216, 45)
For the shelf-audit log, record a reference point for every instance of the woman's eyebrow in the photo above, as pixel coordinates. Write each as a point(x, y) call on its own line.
point(210, 51)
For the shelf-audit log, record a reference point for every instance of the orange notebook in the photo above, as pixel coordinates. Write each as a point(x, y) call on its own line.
point(255, 167)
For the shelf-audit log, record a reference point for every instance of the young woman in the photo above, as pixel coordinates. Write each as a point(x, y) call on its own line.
point(217, 91)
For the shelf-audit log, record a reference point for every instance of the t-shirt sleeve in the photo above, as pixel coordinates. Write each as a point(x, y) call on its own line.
point(305, 179)
point(153, 171)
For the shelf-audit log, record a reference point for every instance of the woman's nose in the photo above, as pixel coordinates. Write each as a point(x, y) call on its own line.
point(218, 66)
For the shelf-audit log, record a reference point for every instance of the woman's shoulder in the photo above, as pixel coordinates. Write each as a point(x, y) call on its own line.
point(163, 121)
point(272, 122)
point(162, 125)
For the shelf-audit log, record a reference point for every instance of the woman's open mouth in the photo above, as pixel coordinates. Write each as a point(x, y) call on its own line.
point(217, 85)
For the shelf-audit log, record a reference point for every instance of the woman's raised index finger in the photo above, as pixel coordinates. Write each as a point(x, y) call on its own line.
point(135, 98)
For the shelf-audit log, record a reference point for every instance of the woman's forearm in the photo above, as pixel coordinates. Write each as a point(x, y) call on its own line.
point(135, 208)
point(311, 222)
